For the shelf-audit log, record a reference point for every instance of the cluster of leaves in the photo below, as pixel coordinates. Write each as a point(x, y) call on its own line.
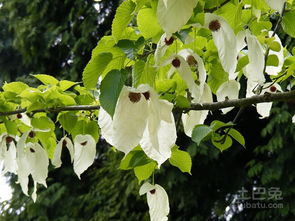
point(127, 57)
point(52, 93)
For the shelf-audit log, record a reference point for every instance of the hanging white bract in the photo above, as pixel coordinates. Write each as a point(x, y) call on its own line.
point(158, 201)
point(277, 5)
point(33, 160)
point(227, 91)
point(7, 154)
point(225, 41)
point(140, 118)
point(264, 108)
point(167, 11)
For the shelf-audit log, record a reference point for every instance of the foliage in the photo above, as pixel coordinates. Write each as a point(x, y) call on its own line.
point(212, 51)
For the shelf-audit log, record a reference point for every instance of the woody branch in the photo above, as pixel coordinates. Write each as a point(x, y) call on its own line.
point(267, 97)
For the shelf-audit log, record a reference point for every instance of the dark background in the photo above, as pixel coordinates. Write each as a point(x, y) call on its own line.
point(56, 37)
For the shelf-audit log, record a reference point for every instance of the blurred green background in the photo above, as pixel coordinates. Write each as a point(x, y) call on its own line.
point(56, 37)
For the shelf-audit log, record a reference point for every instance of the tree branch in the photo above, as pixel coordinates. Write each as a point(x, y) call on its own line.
point(267, 97)
point(285, 96)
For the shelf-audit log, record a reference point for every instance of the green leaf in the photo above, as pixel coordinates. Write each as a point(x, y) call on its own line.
point(11, 127)
point(54, 97)
point(217, 76)
point(122, 18)
point(242, 62)
point(181, 159)
point(95, 68)
point(275, 46)
point(128, 47)
point(134, 159)
point(216, 124)
point(145, 171)
point(258, 26)
point(272, 60)
point(111, 87)
point(46, 79)
point(137, 71)
point(237, 136)
point(222, 142)
point(85, 126)
point(182, 102)
point(147, 23)
point(288, 23)
point(48, 141)
point(15, 87)
point(43, 123)
point(67, 121)
point(200, 132)
point(65, 84)
point(148, 75)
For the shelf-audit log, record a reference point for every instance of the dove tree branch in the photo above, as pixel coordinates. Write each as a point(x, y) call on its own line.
point(267, 97)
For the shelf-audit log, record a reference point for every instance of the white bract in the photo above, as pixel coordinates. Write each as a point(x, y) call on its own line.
point(264, 108)
point(84, 153)
point(180, 65)
point(33, 160)
point(140, 118)
point(7, 154)
point(161, 48)
point(23, 118)
point(192, 59)
point(254, 70)
point(225, 41)
point(293, 119)
point(193, 118)
point(275, 70)
point(158, 201)
point(276, 5)
point(173, 14)
point(64, 142)
point(227, 91)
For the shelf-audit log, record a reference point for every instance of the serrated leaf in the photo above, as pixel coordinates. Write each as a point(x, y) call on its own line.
point(134, 159)
point(137, 71)
point(242, 62)
point(182, 102)
point(200, 132)
point(46, 79)
point(217, 76)
point(53, 97)
point(67, 121)
point(11, 127)
point(222, 142)
point(65, 84)
point(15, 87)
point(122, 18)
point(181, 159)
point(216, 124)
point(43, 123)
point(147, 23)
point(288, 23)
point(85, 126)
point(95, 68)
point(145, 171)
point(110, 89)
point(128, 47)
point(237, 136)
point(148, 75)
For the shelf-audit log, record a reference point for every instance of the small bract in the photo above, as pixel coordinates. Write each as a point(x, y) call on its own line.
point(158, 201)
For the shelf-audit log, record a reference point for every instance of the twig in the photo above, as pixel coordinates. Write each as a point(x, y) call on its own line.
point(267, 97)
